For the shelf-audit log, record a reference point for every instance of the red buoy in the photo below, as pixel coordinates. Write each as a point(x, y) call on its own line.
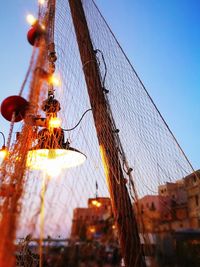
point(14, 104)
point(34, 34)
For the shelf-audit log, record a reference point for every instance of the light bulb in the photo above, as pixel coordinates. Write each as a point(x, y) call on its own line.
point(41, 2)
point(113, 227)
point(31, 19)
point(54, 122)
point(55, 80)
point(92, 230)
point(42, 26)
point(96, 203)
point(3, 154)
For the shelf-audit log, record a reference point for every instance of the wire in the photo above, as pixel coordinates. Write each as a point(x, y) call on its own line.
point(70, 129)
point(4, 140)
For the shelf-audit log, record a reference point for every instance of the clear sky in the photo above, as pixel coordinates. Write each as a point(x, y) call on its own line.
point(160, 37)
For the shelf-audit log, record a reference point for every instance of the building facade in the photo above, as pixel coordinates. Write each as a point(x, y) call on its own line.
point(93, 222)
point(192, 185)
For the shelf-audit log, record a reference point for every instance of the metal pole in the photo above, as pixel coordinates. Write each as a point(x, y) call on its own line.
point(121, 204)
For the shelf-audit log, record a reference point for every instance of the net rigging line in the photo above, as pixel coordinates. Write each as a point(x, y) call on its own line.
point(144, 88)
point(100, 44)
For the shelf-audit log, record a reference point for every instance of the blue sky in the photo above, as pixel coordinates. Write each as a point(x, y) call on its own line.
point(160, 37)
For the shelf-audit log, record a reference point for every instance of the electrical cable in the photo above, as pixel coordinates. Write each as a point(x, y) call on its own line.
point(70, 129)
point(4, 139)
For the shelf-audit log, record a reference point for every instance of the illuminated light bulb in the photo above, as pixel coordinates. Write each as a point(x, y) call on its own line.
point(31, 19)
point(92, 230)
point(113, 227)
point(41, 2)
point(3, 154)
point(54, 80)
point(42, 26)
point(96, 203)
point(54, 122)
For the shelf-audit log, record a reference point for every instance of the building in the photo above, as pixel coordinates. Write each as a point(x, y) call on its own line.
point(167, 211)
point(151, 210)
point(175, 191)
point(192, 185)
point(177, 194)
point(94, 221)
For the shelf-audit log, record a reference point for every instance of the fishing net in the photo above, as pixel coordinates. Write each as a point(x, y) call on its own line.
point(52, 204)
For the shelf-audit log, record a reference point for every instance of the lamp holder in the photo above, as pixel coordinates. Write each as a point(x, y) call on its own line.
point(51, 106)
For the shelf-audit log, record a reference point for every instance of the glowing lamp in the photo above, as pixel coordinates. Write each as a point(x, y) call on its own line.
point(96, 203)
point(43, 27)
point(41, 2)
point(51, 153)
point(35, 31)
point(92, 230)
point(54, 79)
point(3, 150)
point(42, 159)
point(113, 227)
point(3, 153)
point(16, 105)
point(31, 19)
point(54, 122)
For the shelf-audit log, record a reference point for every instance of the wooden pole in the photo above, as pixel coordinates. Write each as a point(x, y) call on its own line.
point(121, 204)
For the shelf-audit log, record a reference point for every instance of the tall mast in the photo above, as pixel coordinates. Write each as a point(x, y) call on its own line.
point(121, 203)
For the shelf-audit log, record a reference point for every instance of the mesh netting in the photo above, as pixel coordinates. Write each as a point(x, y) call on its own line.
point(42, 203)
